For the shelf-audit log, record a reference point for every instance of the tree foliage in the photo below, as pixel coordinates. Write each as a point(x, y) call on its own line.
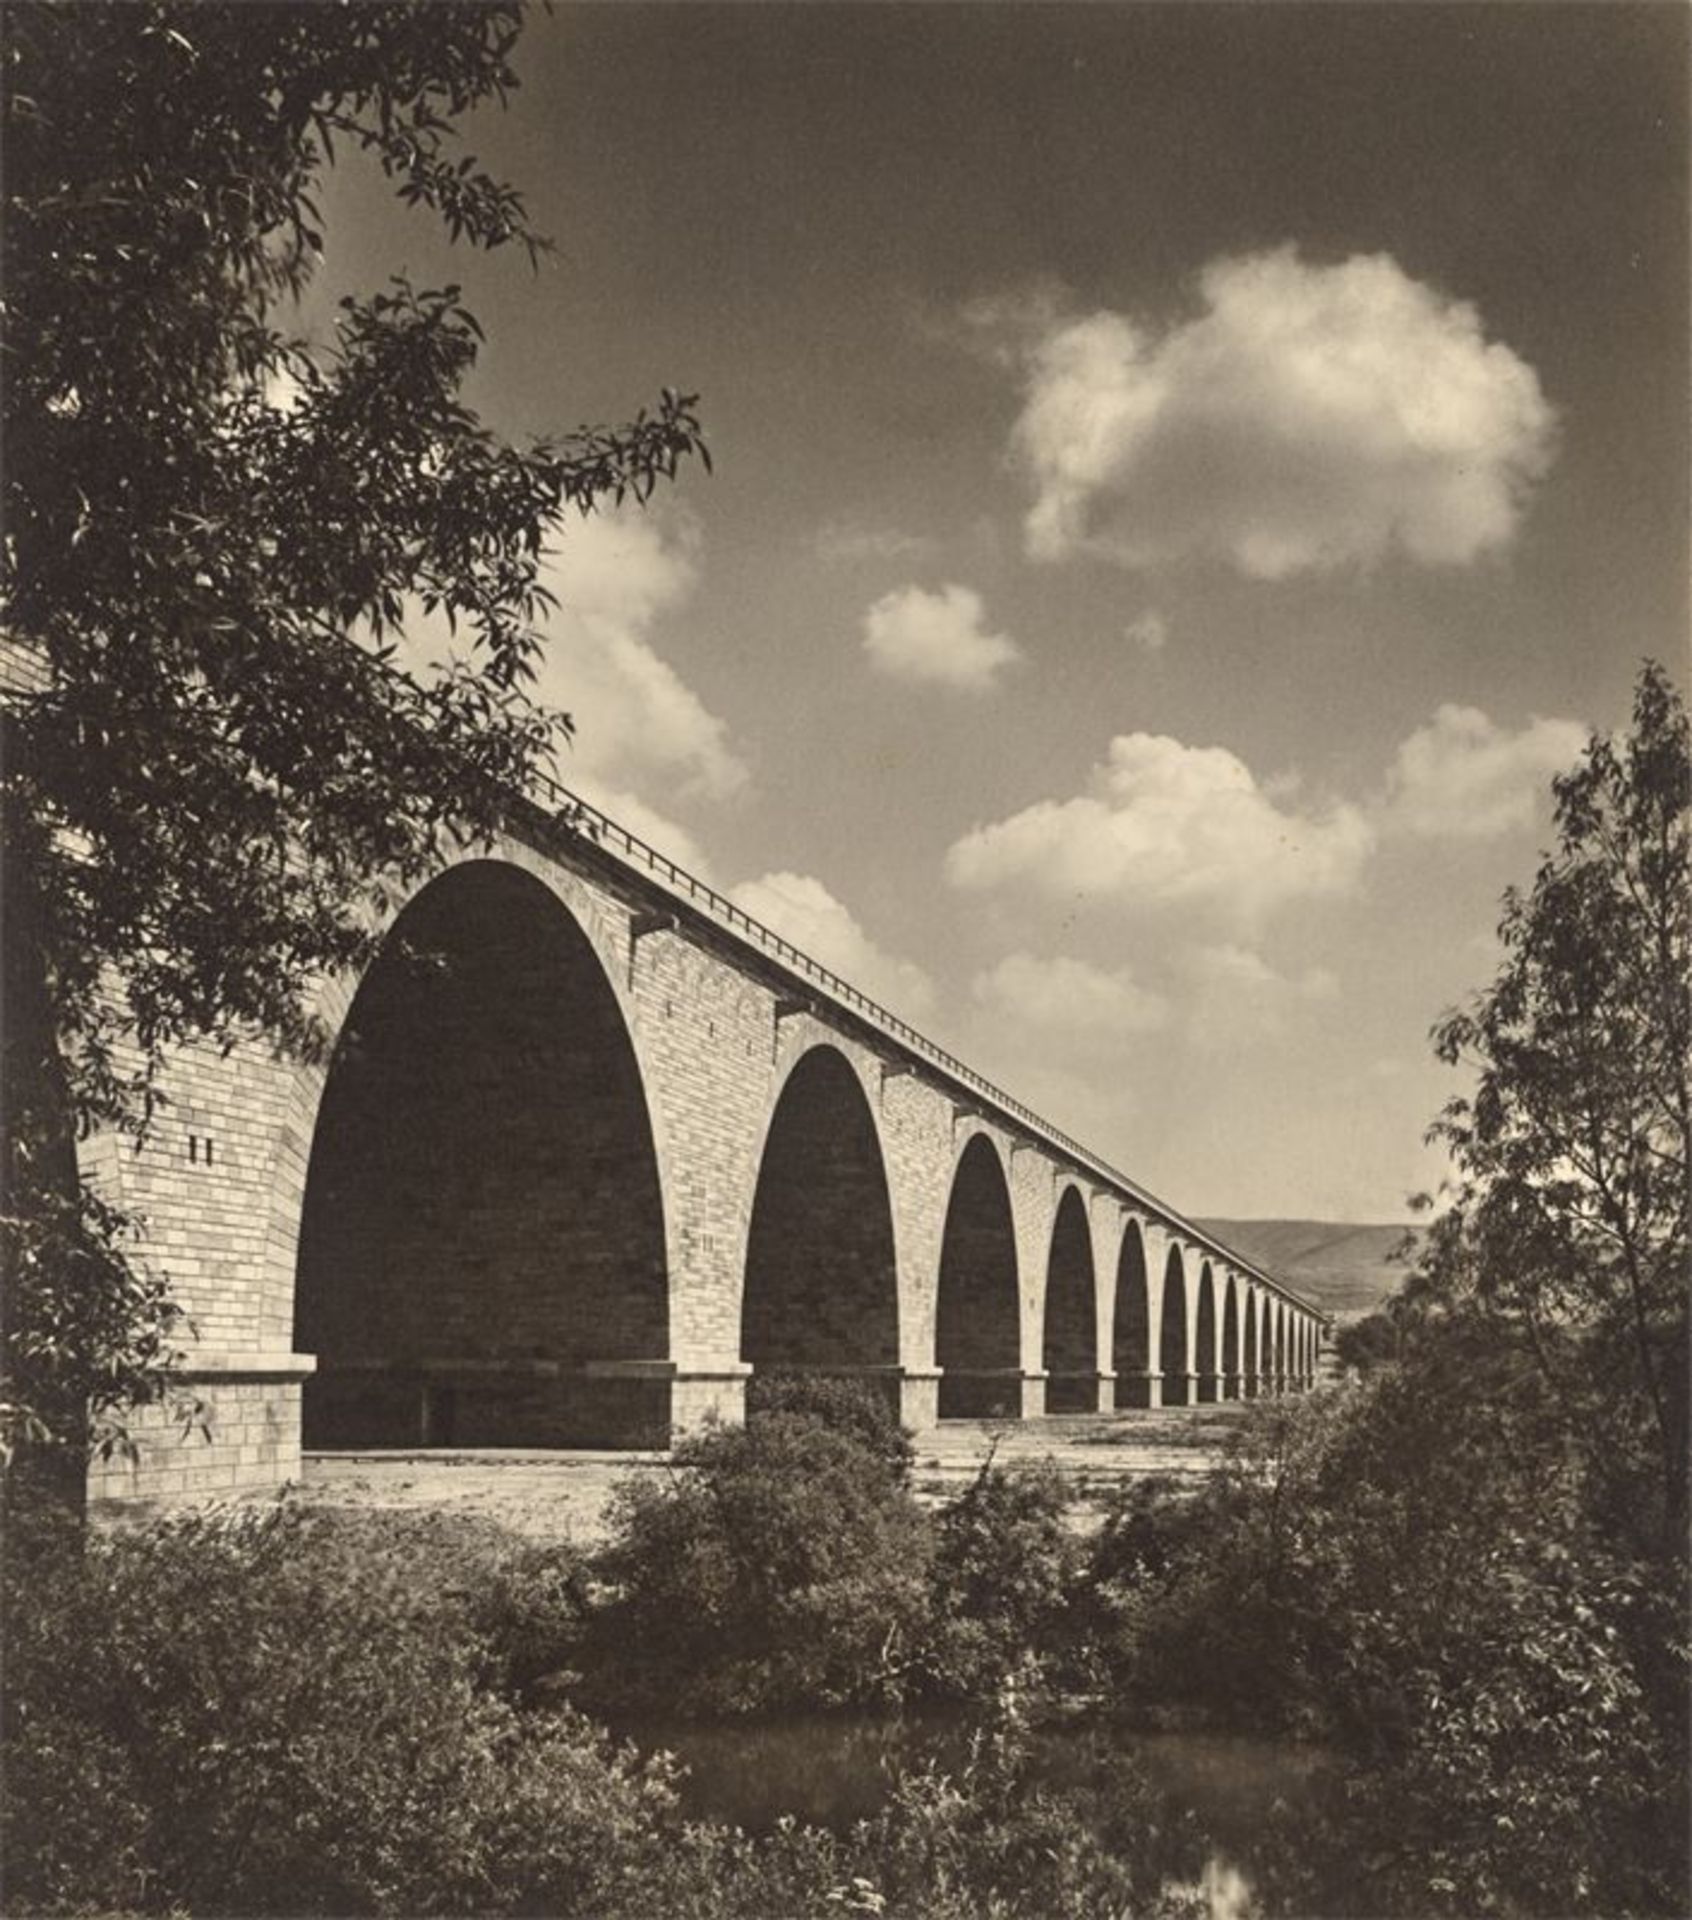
point(213, 531)
point(780, 1565)
point(1570, 1219)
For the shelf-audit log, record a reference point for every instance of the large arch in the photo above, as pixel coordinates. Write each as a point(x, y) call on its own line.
point(481, 1254)
point(1130, 1340)
point(1207, 1385)
point(1253, 1343)
point(821, 1289)
point(1231, 1364)
point(1069, 1346)
point(1173, 1356)
point(978, 1341)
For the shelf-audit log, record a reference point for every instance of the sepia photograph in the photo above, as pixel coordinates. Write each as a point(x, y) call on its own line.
point(846, 959)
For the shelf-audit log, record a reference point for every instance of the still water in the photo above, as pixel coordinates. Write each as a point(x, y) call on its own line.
point(1235, 1818)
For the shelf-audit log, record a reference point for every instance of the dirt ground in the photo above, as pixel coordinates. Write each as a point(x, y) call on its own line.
point(553, 1496)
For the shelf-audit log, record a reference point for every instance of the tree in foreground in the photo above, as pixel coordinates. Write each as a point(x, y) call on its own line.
point(1569, 1226)
point(212, 776)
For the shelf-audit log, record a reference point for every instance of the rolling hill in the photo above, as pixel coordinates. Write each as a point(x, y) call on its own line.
point(1347, 1270)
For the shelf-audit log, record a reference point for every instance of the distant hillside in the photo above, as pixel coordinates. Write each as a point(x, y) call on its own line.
point(1346, 1269)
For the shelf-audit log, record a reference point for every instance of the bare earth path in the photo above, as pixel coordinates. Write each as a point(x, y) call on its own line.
point(553, 1496)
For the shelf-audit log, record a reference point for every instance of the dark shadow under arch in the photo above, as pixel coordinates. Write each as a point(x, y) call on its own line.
point(978, 1341)
point(1069, 1345)
point(1173, 1357)
point(482, 1236)
point(1208, 1383)
point(821, 1285)
point(1230, 1339)
point(1130, 1340)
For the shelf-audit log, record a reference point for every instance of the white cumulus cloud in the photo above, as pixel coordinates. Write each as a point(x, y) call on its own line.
point(1165, 824)
point(637, 721)
point(936, 637)
point(801, 909)
point(1464, 777)
point(1307, 418)
point(1063, 996)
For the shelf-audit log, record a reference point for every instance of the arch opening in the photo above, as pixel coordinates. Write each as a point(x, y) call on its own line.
point(482, 1255)
point(821, 1287)
point(1208, 1381)
point(1130, 1340)
point(1173, 1355)
point(1253, 1345)
point(1230, 1339)
point(1069, 1346)
point(978, 1341)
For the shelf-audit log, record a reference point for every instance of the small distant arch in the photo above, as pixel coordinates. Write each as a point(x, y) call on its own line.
point(978, 1340)
point(1204, 1361)
point(1231, 1364)
point(1174, 1358)
point(1069, 1349)
point(1131, 1338)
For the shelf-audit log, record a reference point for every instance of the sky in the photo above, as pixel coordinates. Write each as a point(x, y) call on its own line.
point(1186, 477)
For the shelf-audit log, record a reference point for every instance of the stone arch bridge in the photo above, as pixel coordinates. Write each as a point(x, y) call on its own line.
point(592, 1147)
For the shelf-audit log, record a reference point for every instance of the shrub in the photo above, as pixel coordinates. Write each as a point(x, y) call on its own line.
point(847, 1405)
point(1004, 1564)
point(243, 1713)
point(781, 1564)
point(1404, 1568)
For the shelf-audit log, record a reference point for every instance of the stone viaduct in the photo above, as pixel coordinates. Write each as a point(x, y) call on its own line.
point(591, 1148)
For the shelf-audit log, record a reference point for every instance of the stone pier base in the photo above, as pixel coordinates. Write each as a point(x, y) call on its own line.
point(245, 1440)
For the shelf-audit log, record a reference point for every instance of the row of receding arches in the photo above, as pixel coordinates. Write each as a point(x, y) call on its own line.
point(1177, 1360)
point(482, 1246)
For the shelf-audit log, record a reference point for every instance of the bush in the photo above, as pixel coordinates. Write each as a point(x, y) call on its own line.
point(1405, 1570)
point(778, 1565)
point(845, 1404)
point(245, 1713)
point(1004, 1565)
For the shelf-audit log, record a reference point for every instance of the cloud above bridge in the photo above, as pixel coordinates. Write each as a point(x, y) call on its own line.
point(1062, 998)
point(1163, 825)
point(638, 724)
point(938, 638)
point(801, 909)
point(1307, 418)
point(1237, 999)
point(1464, 777)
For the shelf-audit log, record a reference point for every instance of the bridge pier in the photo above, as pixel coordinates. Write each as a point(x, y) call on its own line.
point(1076, 1391)
point(1139, 1390)
point(1180, 1389)
point(985, 1393)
